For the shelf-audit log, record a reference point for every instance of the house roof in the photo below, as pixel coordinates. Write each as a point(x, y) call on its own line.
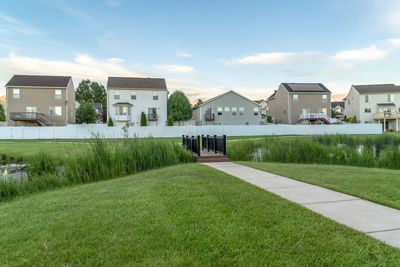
point(137, 83)
point(272, 96)
point(377, 88)
point(122, 104)
point(98, 106)
point(39, 81)
point(385, 104)
point(339, 103)
point(221, 95)
point(305, 87)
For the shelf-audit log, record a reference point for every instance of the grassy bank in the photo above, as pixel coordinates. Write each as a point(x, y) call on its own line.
point(366, 151)
point(97, 160)
point(377, 185)
point(180, 215)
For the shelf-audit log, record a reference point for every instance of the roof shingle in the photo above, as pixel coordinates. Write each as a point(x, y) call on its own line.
point(305, 87)
point(138, 83)
point(377, 88)
point(39, 81)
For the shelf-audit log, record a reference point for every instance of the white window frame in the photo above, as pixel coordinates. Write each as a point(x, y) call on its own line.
point(234, 110)
point(16, 93)
point(56, 95)
point(116, 94)
point(219, 110)
point(367, 110)
point(295, 98)
point(155, 96)
point(227, 109)
point(256, 111)
point(57, 111)
point(133, 95)
point(366, 98)
point(324, 98)
point(241, 110)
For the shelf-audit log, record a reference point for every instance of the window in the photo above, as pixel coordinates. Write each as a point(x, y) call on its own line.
point(367, 110)
point(323, 110)
point(124, 110)
point(55, 111)
point(390, 98)
point(219, 110)
point(16, 93)
point(31, 112)
point(58, 94)
point(255, 111)
point(241, 110)
point(234, 110)
point(324, 98)
point(226, 109)
point(366, 98)
point(295, 98)
point(133, 95)
point(152, 113)
point(116, 94)
point(155, 96)
point(305, 111)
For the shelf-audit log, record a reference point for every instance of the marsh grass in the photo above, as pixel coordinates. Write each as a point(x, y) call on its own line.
point(98, 160)
point(375, 151)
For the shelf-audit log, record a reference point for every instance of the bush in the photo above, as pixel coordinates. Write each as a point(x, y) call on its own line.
point(269, 119)
point(86, 113)
point(170, 121)
point(143, 120)
point(110, 122)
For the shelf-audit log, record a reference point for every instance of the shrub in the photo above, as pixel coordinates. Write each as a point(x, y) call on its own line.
point(170, 121)
point(86, 113)
point(110, 122)
point(143, 120)
point(269, 119)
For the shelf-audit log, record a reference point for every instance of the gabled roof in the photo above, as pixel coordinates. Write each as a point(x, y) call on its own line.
point(339, 103)
point(377, 88)
point(136, 83)
point(305, 88)
point(39, 81)
point(221, 95)
point(272, 96)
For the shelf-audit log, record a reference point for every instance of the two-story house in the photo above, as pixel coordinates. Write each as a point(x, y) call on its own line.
point(229, 108)
point(34, 100)
point(375, 103)
point(296, 103)
point(128, 97)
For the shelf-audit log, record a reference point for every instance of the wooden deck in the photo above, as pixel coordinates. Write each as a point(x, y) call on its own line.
point(206, 156)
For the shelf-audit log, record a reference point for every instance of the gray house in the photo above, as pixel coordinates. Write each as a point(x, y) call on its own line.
point(295, 103)
point(229, 108)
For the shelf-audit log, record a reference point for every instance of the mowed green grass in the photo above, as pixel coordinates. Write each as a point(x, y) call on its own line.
point(377, 185)
point(182, 215)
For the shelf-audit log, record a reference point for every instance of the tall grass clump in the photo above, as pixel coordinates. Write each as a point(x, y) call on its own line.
point(42, 163)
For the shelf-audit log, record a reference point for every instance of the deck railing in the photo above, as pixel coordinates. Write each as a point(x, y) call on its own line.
point(216, 144)
point(192, 143)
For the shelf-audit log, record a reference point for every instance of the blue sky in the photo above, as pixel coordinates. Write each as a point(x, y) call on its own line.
point(205, 47)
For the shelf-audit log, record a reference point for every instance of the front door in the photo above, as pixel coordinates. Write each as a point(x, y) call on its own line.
point(31, 112)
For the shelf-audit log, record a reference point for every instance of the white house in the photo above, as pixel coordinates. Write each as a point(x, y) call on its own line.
point(127, 98)
point(375, 103)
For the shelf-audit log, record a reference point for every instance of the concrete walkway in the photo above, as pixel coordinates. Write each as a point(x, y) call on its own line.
point(376, 220)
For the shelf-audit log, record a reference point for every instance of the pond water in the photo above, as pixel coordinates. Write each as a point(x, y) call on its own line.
point(13, 171)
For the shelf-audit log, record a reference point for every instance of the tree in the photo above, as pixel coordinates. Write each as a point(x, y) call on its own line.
point(334, 114)
point(179, 107)
point(86, 113)
point(110, 122)
point(143, 120)
point(2, 114)
point(94, 92)
point(170, 121)
point(269, 119)
point(199, 102)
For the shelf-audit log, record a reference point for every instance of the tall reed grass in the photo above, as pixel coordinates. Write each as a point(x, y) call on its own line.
point(99, 160)
point(365, 151)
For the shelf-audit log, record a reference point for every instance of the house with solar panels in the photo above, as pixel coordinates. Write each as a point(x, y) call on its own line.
point(300, 103)
point(375, 103)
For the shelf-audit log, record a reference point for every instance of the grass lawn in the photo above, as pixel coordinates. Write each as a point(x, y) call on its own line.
point(182, 215)
point(377, 185)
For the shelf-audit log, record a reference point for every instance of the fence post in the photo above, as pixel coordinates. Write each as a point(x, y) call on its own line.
point(202, 141)
point(198, 146)
point(183, 140)
point(215, 144)
point(224, 143)
point(208, 143)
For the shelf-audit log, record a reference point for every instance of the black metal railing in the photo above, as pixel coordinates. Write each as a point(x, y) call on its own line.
point(192, 143)
point(216, 144)
point(208, 116)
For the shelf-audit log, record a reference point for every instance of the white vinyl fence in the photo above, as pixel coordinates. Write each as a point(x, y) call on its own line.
point(88, 131)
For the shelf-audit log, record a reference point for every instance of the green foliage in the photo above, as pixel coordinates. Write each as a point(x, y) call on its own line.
point(269, 119)
point(334, 114)
point(143, 119)
point(170, 121)
point(179, 107)
point(94, 92)
point(42, 163)
point(110, 122)
point(365, 151)
point(2, 113)
point(86, 113)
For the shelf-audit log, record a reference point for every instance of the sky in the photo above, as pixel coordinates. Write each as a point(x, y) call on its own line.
point(205, 48)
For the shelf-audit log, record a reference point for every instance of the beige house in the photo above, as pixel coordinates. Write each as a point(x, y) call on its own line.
point(34, 100)
point(300, 103)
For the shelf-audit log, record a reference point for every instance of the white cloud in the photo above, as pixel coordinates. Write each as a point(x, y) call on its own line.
point(274, 58)
point(363, 54)
point(394, 41)
point(183, 54)
point(174, 68)
point(11, 25)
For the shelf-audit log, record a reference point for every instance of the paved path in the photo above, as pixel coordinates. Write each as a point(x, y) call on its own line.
point(376, 220)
